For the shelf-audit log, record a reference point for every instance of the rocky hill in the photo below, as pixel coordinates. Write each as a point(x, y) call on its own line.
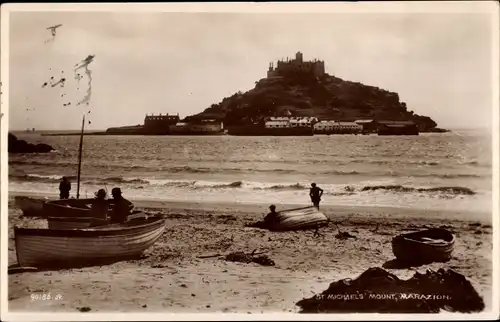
point(326, 97)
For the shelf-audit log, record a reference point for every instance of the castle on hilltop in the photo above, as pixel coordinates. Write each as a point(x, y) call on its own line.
point(296, 66)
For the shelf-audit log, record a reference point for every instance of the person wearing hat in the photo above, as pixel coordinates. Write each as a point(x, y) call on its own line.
point(122, 207)
point(271, 217)
point(99, 208)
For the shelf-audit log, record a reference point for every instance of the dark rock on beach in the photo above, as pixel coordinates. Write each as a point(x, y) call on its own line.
point(16, 145)
point(378, 291)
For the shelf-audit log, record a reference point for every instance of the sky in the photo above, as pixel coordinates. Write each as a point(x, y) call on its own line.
point(440, 64)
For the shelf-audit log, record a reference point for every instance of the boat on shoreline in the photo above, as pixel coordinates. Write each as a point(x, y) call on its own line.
point(300, 218)
point(69, 208)
point(85, 222)
point(57, 248)
point(295, 219)
point(431, 245)
point(31, 207)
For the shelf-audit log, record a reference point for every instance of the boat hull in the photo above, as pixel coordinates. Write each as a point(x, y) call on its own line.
point(82, 222)
point(299, 219)
point(71, 208)
point(32, 207)
point(432, 245)
point(69, 248)
point(68, 208)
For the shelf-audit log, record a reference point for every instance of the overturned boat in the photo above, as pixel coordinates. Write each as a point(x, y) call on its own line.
point(295, 219)
point(431, 245)
point(56, 248)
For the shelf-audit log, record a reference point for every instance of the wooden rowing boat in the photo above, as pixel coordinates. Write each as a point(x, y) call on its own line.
point(300, 218)
point(72, 208)
point(294, 219)
point(31, 207)
point(68, 208)
point(83, 222)
point(431, 245)
point(44, 248)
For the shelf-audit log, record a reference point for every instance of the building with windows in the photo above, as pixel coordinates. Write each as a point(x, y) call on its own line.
point(159, 124)
point(334, 127)
point(289, 122)
point(296, 66)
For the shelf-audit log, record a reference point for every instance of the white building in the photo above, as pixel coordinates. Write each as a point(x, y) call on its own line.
point(285, 122)
point(331, 127)
point(277, 124)
point(350, 126)
point(324, 126)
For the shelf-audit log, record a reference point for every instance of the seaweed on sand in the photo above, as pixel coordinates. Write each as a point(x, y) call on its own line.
point(249, 258)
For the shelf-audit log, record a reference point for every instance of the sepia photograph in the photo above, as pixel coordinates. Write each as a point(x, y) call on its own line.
point(249, 161)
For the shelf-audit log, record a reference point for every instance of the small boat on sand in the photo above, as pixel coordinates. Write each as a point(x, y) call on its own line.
point(83, 222)
point(295, 219)
point(31, 207)
point(68, 208)
point(57, 248)
point(72, 208)
point(431, 245)
point(300, 218)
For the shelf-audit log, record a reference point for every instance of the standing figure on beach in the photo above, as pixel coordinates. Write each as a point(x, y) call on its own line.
point(121, 208)
point(315, 193)
point(64, 188)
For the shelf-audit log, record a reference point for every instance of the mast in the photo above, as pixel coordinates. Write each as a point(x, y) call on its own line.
point(80, 159)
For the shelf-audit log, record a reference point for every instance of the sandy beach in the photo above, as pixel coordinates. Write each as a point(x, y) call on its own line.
point(172, 278)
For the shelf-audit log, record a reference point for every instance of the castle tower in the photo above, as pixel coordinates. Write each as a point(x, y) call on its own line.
point(298, 57)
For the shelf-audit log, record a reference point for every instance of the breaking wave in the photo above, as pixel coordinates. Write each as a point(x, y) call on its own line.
point(400, 188)
point(296, 186)
point(333, 190)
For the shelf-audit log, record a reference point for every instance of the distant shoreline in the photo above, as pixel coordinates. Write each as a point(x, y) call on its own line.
point(103, 133)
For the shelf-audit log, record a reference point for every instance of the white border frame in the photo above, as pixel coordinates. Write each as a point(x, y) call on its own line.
point(491, 7)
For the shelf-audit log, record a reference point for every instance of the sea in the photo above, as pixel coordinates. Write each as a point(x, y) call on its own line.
point(447, 171)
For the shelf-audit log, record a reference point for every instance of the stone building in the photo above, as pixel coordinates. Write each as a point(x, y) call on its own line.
point(296, 66)
point(159, 124)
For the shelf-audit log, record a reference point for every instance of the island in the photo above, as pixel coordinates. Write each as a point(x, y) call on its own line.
point(302, 89)
point(297, 97)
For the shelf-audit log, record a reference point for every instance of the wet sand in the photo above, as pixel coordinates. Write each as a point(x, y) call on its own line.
point(171, 277)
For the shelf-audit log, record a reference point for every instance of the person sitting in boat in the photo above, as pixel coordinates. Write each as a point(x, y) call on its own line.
point(122, 207)
point(315, 193)
point(64, 188)
point(271, 217)
point(99, 208)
